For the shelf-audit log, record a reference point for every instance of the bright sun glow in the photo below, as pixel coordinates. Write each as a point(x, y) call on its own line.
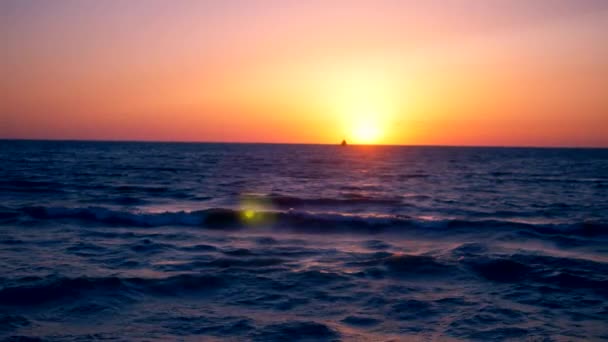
point(366, 132)
point(364, 98)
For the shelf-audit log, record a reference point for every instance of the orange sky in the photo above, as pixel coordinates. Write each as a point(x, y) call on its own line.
point(493, 72)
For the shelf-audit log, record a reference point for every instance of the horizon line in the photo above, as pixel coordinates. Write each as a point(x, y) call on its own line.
point(298, 143)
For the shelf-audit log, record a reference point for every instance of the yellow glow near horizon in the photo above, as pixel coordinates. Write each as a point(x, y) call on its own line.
point(366, 101)
point(366, 132)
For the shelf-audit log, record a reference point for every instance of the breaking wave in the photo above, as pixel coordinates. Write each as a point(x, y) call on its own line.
point(225, 218)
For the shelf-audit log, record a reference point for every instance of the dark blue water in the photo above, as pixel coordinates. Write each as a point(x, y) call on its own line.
point(158, 241)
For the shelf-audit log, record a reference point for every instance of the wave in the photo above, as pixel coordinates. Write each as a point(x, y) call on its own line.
point(347, 199)
point(313, 222)
point(31, 186)
point(46, 290)
point(304, 330)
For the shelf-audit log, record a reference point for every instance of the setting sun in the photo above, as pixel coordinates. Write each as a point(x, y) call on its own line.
point(364, 97)
point(366, 132)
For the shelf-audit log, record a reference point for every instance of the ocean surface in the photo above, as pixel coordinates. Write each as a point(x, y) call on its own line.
point(260, 242)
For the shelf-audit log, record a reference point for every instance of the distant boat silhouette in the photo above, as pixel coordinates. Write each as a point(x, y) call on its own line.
point(343, 143)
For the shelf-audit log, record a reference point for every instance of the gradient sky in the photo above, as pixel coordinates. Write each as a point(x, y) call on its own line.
point(486, 72)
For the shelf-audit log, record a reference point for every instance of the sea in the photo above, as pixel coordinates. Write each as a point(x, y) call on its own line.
point(138, 241)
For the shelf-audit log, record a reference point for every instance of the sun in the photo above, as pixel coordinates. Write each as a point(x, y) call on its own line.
point(365, 100)
point(366, 131)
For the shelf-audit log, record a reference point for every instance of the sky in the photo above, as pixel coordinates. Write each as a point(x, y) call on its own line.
point(449, 72)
